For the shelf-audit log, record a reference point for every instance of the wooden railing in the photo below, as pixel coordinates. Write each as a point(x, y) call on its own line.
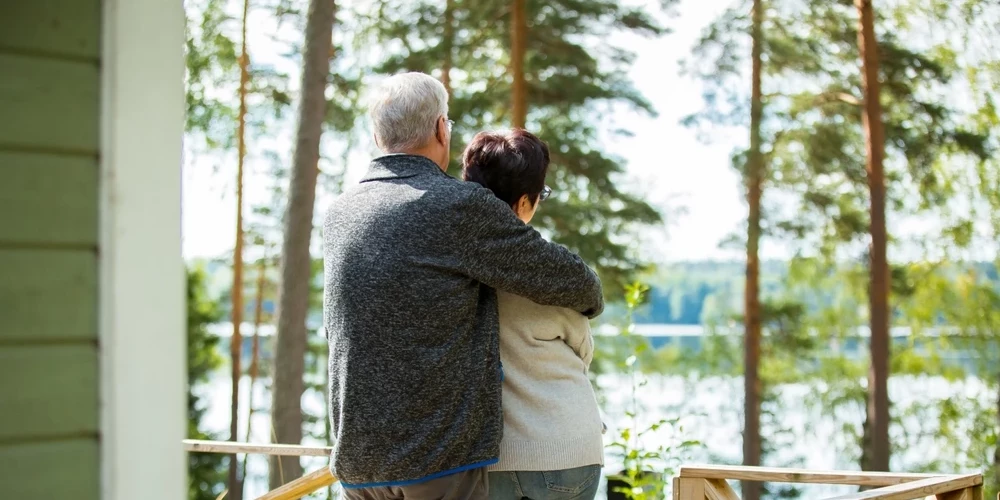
point(700, 482)
point(708, 482)
point(298, 488)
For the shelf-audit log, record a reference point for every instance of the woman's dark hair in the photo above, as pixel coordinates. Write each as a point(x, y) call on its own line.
point(511, 164)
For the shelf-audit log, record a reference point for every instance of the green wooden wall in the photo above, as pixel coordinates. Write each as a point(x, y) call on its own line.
point(49, 147)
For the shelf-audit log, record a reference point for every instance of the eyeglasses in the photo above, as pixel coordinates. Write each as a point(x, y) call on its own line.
point(544, 195)
point(451, 123)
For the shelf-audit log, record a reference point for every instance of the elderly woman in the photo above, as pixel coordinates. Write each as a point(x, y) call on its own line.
point(552, 446)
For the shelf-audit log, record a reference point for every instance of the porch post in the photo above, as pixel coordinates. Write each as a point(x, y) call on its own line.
point(142, 282)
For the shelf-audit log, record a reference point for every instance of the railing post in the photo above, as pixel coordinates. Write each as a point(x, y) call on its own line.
point(690, 488)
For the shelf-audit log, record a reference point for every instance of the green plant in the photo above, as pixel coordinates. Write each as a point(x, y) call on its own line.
point(206, 471)
point(646, 471)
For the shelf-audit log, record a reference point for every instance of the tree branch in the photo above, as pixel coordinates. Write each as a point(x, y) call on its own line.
point(833, 96)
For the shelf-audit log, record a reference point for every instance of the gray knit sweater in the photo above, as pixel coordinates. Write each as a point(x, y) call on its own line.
point(411, 260)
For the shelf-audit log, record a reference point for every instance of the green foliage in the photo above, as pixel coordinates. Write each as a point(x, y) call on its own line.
point(206, 471)
point(697, 293)
point(810, 324)
point(646, 471)
point(711, 293)
point(573, 76)
point(212, 58)
point(812, 132)
point(212, 84)
point(941, 167)
point(939, 157)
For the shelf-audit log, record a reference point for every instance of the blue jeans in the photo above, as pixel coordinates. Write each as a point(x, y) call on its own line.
point(581, 483)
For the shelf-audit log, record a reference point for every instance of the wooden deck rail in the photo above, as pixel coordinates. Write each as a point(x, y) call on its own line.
point(296, 489)
point(708, 482)
point(699, 482)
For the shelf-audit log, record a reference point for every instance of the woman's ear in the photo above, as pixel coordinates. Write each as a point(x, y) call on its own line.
point(523, 204)
point(524, 208)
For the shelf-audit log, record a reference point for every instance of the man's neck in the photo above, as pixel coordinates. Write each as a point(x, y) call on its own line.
point(426, 152)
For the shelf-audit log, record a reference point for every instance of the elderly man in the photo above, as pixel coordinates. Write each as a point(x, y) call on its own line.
point(412, 257)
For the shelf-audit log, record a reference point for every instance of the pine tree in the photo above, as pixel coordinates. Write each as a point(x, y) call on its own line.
point(813, 133)
point(972, 25)
point(568, 80)
point(448, 44)
point(212, 63)
point(286, 416)
point(236, 341)
point(751, 311)
point(518, 51)
point(222, 127)
point(878, 290)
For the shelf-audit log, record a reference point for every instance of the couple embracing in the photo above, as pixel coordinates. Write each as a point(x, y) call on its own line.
point(459, 337)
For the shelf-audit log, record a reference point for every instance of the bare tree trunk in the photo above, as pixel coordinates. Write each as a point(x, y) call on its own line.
point(751, 314)
point(866, 447)
point(448, 43)
point(236, 343)
point(295, 260)
point(518, 48)
point(878, 375)
point(258, 318)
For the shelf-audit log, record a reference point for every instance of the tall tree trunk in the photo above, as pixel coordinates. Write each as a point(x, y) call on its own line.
point(236, 344)
point(258, 318)
point(289, 359)
point(866, 439)
point(448, 44)
point(518, 47)
point(878, 375)
point(751, 312)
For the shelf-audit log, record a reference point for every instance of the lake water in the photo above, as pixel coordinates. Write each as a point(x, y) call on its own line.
point(710, 411)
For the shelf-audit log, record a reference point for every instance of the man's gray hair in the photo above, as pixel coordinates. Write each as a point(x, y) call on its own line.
point(405, 109)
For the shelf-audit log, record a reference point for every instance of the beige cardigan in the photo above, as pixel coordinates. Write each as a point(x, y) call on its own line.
point(551, 417)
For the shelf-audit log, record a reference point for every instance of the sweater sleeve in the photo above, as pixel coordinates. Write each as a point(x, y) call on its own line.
point(494, 247)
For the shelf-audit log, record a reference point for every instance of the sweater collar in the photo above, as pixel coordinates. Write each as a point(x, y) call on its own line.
point(400, 166)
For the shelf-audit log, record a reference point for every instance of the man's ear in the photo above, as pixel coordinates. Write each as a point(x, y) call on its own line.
point(441, 133)
point(375, 138)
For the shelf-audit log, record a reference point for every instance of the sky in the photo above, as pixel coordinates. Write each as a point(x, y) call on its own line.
point(692, 182)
